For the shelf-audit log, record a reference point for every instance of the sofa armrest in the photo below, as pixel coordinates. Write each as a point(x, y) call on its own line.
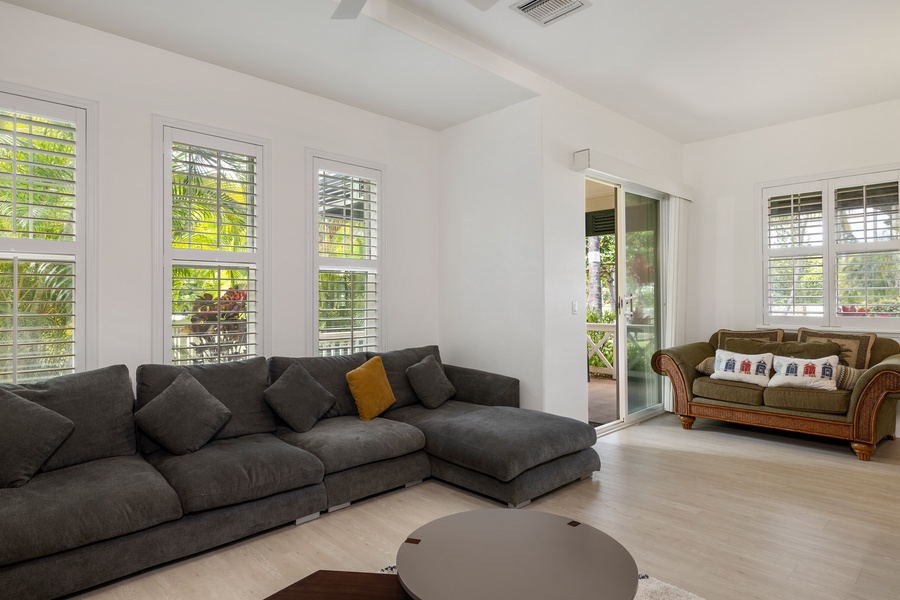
point(879, 386)
point(679, 364)
point(482, 387)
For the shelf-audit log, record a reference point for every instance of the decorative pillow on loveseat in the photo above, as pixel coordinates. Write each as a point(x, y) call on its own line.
point(817, 373)
point(856, 348)
point(29, 434)
point(762, 335)
point(792, 349)
point(748, 368)
point(183, 417)
point(298, 398)
point(429, 382)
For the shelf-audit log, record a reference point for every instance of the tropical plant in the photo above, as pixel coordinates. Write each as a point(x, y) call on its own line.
point(213, 199)
point(210, 309)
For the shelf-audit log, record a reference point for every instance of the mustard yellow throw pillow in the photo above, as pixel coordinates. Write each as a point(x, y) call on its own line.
point(371, 389)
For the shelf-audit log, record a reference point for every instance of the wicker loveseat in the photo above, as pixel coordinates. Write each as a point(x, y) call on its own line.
point(864, 413)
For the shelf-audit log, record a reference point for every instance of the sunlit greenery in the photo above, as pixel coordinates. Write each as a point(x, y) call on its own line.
point(37, 201)
point(210, 308)
point(347, 297)
point(213, 199)
point(213, 208)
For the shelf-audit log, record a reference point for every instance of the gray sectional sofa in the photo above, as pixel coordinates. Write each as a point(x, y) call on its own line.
point(87, 496)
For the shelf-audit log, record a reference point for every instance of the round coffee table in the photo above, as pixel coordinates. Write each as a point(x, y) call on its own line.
point(505, 553)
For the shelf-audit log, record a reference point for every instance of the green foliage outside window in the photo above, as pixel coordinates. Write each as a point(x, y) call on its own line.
point(210, 308)
point(37, 201)
point(213, 208)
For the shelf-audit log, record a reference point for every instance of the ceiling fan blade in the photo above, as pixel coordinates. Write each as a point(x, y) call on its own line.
point(482, 4)
point(348, 9)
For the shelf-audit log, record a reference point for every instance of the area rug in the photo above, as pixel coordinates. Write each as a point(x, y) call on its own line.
point(649, 588)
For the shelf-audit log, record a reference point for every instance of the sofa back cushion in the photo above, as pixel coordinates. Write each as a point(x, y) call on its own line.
point(882, 348)
point(238, 385)
point(719, 338)
point(330, 372)
point(792, 349)
point(100, 403)
point(29, 434)
point(396, 362)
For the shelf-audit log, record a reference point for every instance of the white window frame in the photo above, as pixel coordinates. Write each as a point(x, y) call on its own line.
point(827, 185)
point(165, 131)
point(85, 249)
point(359, 168)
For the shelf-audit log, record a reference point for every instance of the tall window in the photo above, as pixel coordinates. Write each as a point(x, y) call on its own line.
point(211, 256)
point(42, 239)
point(347, 257)
point(832, 250)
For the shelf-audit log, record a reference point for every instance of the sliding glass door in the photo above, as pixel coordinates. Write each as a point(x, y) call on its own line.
point(639, 305)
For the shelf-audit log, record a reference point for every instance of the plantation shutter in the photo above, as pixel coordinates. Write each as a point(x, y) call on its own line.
point(214, 193)
point(212, 248)
point(832, 252)
point(867, 248)
point(41, 144)
point(214, 313)
point(347, 257)
point(795, 271)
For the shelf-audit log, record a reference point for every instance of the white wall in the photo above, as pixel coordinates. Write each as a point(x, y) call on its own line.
point(507, 287)
point(492, 313)
point(572, 123)
point(556, 380)
point(132, 81)
point(724, 172)
point(508, 225)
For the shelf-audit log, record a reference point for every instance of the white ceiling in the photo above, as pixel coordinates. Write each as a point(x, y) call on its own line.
point(690, 69)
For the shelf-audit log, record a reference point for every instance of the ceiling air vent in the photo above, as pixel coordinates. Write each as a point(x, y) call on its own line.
point(545, 12)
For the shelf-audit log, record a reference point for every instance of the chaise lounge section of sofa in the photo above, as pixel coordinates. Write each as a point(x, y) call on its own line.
point(110, 498)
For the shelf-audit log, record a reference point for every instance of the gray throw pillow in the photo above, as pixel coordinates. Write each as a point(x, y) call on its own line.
point(29, 434)
point(183, 417)
point(429, 382)
point(298, 398)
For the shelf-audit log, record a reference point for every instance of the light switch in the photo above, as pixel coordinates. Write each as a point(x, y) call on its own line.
point(574, 307)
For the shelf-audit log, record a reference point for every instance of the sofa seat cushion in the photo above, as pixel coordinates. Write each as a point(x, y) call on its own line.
point(346, 442)
point(808, 400)
point(728, 391)
point(89, 502)
point(226, 472)
point(500, 441)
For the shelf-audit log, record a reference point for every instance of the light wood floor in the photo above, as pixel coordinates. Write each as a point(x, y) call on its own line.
point(727, 512)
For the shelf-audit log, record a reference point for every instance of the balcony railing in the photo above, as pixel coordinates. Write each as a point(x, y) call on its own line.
point(608, 331)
